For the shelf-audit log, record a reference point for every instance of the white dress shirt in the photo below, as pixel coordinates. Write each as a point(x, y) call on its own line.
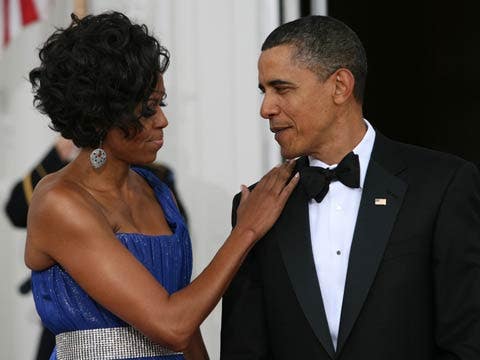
point(332, 223)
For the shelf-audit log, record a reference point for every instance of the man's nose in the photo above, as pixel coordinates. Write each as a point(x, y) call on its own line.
point(269, 107)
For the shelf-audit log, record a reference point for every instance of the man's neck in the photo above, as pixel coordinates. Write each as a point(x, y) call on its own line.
point(348, 134)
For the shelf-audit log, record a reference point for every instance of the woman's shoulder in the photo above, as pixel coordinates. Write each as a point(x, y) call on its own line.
point(57, 192)
point(61, 213)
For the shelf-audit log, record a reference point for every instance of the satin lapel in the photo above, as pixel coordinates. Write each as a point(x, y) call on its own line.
point(293, 232)
point(381, 201)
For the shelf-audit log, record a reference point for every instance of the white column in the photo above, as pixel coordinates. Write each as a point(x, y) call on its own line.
point(269, 13)
point(291, 10)
point(319, 7)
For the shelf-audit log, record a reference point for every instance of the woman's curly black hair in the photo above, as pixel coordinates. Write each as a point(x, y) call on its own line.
point(94, 73)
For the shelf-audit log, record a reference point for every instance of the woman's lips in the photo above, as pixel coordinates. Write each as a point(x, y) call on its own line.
point(158, 142)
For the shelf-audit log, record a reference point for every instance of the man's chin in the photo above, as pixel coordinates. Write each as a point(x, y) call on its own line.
point(288, 155)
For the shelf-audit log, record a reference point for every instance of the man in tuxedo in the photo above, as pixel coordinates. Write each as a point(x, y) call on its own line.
point(376, 255)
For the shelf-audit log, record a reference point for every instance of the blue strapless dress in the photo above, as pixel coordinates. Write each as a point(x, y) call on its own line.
point(63, 305)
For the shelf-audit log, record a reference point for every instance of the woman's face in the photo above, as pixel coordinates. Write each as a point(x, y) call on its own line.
point(143, 147)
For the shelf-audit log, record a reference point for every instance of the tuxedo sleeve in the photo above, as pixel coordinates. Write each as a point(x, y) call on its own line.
point(243, 334)
point(456, 268)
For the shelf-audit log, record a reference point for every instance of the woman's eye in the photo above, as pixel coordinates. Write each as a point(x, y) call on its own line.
point(154, 103)
point(162, 101)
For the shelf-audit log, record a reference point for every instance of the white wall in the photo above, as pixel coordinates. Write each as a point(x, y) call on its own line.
point(24, 136)
point(215, 141)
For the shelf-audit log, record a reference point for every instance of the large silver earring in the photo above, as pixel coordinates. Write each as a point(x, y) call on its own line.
point(98, 157)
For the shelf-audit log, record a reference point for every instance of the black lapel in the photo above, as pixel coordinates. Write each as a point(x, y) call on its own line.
point(372, 231)
point(293, 232)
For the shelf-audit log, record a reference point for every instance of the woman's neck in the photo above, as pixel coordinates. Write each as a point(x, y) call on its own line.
point(112, 176)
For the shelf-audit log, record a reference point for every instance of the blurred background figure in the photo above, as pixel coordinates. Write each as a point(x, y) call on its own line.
point(17, 207)
point(57, 157)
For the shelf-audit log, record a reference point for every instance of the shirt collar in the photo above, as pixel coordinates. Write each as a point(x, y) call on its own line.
point(363, 150)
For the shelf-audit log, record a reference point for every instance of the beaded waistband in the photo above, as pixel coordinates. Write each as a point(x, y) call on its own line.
point(107, 343)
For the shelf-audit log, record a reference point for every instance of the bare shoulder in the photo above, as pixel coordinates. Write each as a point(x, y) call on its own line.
point(62, 199)
point(60, 211)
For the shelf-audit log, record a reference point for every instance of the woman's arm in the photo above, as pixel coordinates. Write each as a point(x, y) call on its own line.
point(69, 228)
point(196, 350)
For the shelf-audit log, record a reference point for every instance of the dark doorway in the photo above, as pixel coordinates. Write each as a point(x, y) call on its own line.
point(424, 59)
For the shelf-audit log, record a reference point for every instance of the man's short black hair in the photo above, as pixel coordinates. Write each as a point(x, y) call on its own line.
point(323, 45)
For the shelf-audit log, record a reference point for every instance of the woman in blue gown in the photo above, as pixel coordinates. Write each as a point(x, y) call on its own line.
point(109, 251)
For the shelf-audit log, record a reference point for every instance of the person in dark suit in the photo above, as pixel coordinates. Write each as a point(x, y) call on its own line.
point(375, 258)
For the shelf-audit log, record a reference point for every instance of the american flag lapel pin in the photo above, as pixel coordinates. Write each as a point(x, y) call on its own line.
point(380, 201)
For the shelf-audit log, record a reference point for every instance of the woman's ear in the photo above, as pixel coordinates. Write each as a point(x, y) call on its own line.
point(344, 84)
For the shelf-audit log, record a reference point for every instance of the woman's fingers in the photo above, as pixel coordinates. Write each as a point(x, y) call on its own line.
point(259, 209)
point(287, 190)
point(244, 193)
point(277, 177)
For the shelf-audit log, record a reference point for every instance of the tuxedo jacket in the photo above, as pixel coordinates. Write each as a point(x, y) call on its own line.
point(413, 282)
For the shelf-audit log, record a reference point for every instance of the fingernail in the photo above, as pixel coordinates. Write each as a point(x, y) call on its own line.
point(297, 174)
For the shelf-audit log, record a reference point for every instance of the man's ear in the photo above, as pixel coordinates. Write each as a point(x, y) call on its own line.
point(344, 83)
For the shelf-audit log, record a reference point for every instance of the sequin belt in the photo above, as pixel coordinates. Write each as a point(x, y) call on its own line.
point(107, 343)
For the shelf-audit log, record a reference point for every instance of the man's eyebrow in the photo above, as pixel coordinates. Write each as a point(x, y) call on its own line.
point(274, 83)
point(279, 82)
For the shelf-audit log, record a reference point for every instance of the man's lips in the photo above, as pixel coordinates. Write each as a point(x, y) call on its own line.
point(277, 129)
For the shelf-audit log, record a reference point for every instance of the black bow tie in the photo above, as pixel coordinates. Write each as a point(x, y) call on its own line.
point(316, 180)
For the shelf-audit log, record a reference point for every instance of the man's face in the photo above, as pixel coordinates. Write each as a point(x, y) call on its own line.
point(297, 103)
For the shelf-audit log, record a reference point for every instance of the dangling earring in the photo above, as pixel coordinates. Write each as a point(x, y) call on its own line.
point(98, 157)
